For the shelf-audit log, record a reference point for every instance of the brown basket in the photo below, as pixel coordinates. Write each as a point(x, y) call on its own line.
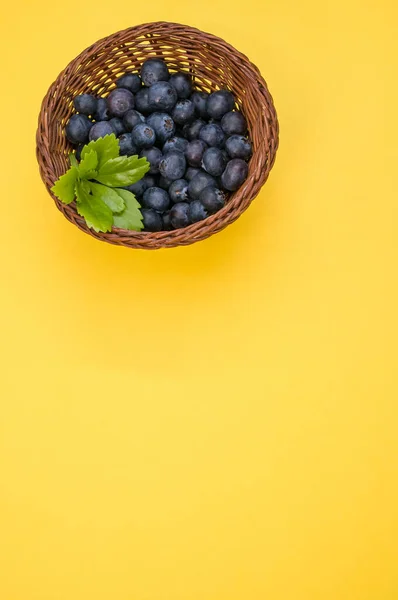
point(213, 63)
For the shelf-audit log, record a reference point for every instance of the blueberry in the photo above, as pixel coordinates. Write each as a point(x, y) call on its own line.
point(132, 118)
point(162, 96)
point(197, 211)
point(138, 188)
point(100, 129)
point(142, 102)
point(212, 199)
point(219, 103)
point(143, 135)
point(198, 183)
point(167, 226)
point(102, 112)
point(183, 112)
point(86, 104)
point(238, 146)
point(234, 122)
point(190, 173)
point(130, 81)
point(151, 219)
point(164, 183)
point(194, 152)
point(150, 181)
point(212, 134)
point(182, 83)
point(156, 198)
point(78, 151)
point(162, 124)
point(153, 70)
point(178, 190)
point(179, 215)
point(117, 125)
point(173, 165)
point(234, 175)
point(214, 161)
point(120, 101)
point(200, 101)
point(191, 130)
point(175, 143)
point(78, 128)
point(153, 156)
point(126, 145)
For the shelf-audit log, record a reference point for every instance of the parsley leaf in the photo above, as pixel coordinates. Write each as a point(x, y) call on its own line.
point(108, 195)
point(64, 188)
point(106, 148)
point(98, 215)
point(131, 217)
point(122, 171)
point(88, 164)
point(73, 160)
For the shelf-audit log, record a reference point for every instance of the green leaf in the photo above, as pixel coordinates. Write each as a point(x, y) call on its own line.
point(98, 215)
point(106, 148)
point(73, 160)
point(122, 171)
point(64, 188)
point(131, 217)
point(88, 164)
point(108, 195)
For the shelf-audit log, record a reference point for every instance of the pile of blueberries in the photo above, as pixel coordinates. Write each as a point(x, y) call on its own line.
point(195, 142)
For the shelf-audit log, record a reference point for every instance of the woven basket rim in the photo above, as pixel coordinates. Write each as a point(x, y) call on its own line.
point(265, 130)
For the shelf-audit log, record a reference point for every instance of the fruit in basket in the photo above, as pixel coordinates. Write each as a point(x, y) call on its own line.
point(154, 70)
point(78, 129)
point(85, 104)
point(120, 101)
point(130, 81)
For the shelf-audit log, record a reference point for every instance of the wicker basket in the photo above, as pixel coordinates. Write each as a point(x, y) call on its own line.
point(212, 62)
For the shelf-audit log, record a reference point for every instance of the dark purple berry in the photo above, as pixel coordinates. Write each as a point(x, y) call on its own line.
point(175, 143)
point(173, 165)
point(234, 122)
point(120, 101)
point(100, 129)
point(200, 100)
point(162, 96)
point(153, 70)
point(212, 199)
point(197, 211)
point(164, 183)
point(78, 152)
point(153, 156)
point(142, 102)
point(214, 161)
point(198, 183)
point(143, 135)
point(194, 152)
point(86, 104)
point(138, 188)
point(219, 103)
point(190, 173)
point(163, 125)
point(102, 112)
point(167, 226)
point(234, 174)
point(182, 83)
point(78, 128)
point(130, 81)
point(178, 190)
point(156, 198)
point(117, 125)
point(152, 220)
point(126, 145)
point(132, 118)
point(238, 146)
point(179, 215)
point(191, 130)
point(212, 134)
point(183, 112)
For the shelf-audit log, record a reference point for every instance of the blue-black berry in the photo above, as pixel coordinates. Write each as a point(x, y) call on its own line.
point(197, 211)
point(132, 118)
point(78, 128)
point(120, 101)
point(154, 70)
point(212, 199)
point(178, 191)
point(191, 130)
point(182, 83)
point(194, 152)
point(234, 174)
point(154, 156)
point(167, 226)
point(198, 183)
point(86, 104)
point(142, 101)
point(238, 146)
point(214, 161)
point(151, 219)
point(117, 125)
point(179, 215)
point(126, 145)
point(156, 198)
point(173, 165)
point(183, 112)
point(190, 173)
point(100, 129)
point(162, 124)
point(200, 100)
point(219, 103)
point(234, 122)
point(130, 81)
point(102, 111)
point(162, 96)
point(143, 135)
point(212, 134)
point(175, 143)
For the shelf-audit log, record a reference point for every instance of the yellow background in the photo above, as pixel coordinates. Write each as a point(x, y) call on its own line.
point(217, 422)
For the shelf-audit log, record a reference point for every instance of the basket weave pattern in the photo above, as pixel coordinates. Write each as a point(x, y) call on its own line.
point(213, 64)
